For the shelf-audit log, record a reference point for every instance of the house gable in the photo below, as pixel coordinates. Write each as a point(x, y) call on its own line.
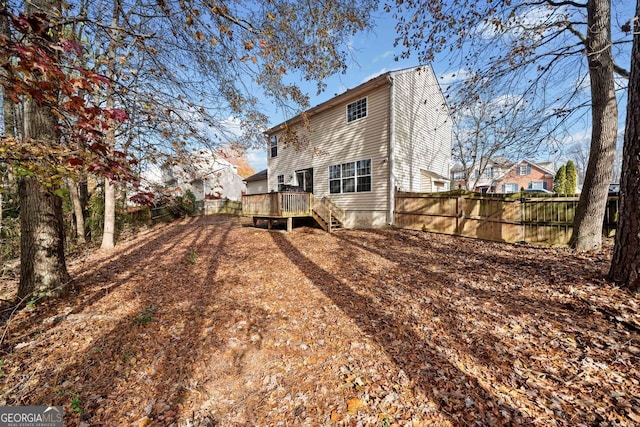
point(422, 131)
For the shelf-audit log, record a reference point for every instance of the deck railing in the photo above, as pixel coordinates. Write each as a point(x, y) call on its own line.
point(285, 204)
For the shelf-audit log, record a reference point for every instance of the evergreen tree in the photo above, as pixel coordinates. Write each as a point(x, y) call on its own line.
point(560, 180)
point(571, 173)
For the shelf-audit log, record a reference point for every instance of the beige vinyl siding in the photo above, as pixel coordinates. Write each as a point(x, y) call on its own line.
point(333, 141)
point(423, 130)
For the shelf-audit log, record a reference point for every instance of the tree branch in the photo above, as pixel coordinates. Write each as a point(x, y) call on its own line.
point(620, 71)
point(565, 3)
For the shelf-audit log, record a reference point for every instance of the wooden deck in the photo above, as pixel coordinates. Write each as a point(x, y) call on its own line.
point(288, 205)
point(283, 205)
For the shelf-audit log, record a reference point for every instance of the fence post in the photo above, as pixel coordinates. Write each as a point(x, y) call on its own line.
point(459, 213)
point(522, 219)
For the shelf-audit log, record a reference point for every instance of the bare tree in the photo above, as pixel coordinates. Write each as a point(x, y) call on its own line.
point(537, 46)
point(492, 129)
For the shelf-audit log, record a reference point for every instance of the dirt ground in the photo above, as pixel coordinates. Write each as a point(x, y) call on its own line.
point(209, 321)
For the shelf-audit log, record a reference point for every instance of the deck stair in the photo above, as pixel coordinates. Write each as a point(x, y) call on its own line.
point(327, 214)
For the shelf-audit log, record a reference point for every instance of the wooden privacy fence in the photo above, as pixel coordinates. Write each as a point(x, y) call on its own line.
point(518, 217)
point(222, 206)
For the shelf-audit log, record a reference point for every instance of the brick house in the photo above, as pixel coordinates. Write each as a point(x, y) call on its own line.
point(502, 176)
point(525, 175)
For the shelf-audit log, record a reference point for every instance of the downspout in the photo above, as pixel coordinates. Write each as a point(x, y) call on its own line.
point(392, 156)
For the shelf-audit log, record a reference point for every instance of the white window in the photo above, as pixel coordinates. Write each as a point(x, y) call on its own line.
point(357, 110)
point(280, 182)
point(524, 169)
point(352, 177)
point(459, 176)
point(537, 185)
point(273, 145)
point(488, 172)
point(510, 187)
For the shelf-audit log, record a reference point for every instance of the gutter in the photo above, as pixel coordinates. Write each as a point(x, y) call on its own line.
point(392, 153)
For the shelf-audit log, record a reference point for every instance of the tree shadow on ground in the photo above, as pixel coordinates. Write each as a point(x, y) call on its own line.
point(88, 283)
point(451, 389)
point(157, 345)
point(512, 314)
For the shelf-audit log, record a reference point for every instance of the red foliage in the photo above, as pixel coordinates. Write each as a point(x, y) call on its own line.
point(51, 73)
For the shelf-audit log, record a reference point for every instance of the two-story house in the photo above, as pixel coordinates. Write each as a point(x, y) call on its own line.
point(390, 133)
point(526, 175)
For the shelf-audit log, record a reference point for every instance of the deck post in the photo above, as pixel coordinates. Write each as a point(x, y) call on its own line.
point(289, 224)
point(279, 204)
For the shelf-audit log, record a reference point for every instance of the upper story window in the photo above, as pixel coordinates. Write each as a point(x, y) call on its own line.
point(488, 172)
point(280, 182)
point(357, 110)
point(350, 177)
point(459, 176)
point(273, 145)
point(524, 169)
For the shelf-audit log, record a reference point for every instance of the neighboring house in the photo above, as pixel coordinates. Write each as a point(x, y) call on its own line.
point(527, 175)
point(257, 183)
point(391, 133)
point(480, 178)
point(503, 176)
point(207, 176)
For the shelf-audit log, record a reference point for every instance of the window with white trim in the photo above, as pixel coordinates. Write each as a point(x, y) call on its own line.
point(352, 177)
point(459, 176)
point(273, 145)
point(357, 110)
point(538, 185)
point(524, 169)
point(280, 182)
point(488, 172)
point(510, 187)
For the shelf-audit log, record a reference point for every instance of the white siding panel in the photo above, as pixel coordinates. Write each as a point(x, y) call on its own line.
point(423, 129)
point(334, 141)
point(257, 187)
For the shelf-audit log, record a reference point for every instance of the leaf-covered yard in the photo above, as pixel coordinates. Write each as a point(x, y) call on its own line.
point(209, 321)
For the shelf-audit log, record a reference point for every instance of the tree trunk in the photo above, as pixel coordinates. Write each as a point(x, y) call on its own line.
point(42, 264)
point(625, 265)
point(588, 222)
point(109, 215)
point(108, 240)
point(83, 192)
point(43, 270)
point(78, 212)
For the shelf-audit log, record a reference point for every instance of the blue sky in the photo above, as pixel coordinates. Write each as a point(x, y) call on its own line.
point(373, 53)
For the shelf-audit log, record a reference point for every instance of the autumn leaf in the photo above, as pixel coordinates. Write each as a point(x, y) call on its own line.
point(354, 405)
point(336, 416)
